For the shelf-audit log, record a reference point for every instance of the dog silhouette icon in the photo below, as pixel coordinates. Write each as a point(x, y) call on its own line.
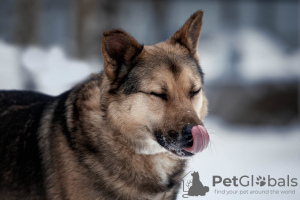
point(197, 187)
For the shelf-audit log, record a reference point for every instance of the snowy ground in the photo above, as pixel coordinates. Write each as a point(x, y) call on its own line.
point(257, 151)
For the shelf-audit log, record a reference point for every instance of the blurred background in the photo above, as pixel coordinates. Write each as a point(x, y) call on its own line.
point(249, 51)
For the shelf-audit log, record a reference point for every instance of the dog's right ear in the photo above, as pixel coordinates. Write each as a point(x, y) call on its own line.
point(189, 33)
point(119, 51)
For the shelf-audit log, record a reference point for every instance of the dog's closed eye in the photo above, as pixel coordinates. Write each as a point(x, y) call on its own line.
point(162, 96)
point(194, 93)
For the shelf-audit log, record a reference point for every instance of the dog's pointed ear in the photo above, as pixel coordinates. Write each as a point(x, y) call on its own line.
point(119, 51)
point(188, 35)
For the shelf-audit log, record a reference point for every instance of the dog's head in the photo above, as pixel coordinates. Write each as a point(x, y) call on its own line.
point(155, 93)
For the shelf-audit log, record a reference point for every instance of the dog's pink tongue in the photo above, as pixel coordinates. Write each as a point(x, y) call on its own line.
point(200, 139)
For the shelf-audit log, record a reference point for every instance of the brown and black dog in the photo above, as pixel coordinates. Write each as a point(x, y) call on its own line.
point(123, 134)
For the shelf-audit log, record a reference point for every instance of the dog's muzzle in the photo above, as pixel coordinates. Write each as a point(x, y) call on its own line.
point(193, 139)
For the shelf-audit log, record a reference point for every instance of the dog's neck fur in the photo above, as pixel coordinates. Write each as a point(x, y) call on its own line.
point(124, 171)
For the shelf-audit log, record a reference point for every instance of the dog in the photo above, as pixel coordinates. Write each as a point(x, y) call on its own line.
point(125, 133)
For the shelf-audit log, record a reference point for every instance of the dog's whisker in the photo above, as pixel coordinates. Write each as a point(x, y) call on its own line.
point(212, 147)
point(214, 132)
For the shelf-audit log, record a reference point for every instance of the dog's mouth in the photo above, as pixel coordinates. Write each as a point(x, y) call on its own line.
point(184, 147)
point(181, 153)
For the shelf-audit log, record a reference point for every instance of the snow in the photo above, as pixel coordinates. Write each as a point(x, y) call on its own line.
point(238, 151)
point(263, 57)
point(214, 57)
point(10, 73)
point(259, 56)
point(52, 71)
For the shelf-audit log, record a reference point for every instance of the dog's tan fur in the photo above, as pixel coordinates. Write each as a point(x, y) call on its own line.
point(99, 140)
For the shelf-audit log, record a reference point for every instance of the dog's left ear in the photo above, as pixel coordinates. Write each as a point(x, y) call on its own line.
point(119, 51)
point(189, 33)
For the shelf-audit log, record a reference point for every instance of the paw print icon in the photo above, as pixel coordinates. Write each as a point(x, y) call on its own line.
point(261, 181)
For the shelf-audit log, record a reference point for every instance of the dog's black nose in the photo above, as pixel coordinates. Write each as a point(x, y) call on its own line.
point(187, 132)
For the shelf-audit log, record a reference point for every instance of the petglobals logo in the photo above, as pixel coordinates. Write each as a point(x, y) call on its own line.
point(245, 181)
point(193, 186)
